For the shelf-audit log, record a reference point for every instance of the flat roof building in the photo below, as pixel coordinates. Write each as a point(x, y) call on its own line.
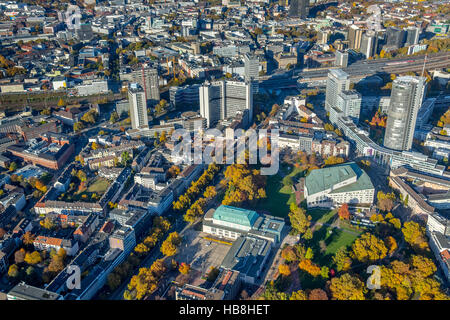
point(232, 222)
point(248, 255)
point(344, 183)
point(24, 291)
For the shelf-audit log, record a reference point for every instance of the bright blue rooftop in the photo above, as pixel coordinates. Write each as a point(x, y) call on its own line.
point(236, 215)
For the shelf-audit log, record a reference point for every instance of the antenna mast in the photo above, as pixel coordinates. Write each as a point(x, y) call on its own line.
point(424, 62)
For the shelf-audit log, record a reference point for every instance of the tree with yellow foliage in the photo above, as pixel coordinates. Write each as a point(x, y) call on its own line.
point(298, 295)
point(184, 268)
point(47, 223)
point(33, 258)
point(141, 249)
point(347, 287)
point(300, 222)
point(391, 244)
point(414, 234)
point(210, 192)
point(368, 248)
point(13, 271)
point(284, 269)
point(169, 246)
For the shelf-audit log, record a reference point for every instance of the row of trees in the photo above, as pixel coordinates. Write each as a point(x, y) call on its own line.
point(146, 281)
point(197, 208)
point(271, 293)
point(160, 226)
point(196, 188)
point(311, 162)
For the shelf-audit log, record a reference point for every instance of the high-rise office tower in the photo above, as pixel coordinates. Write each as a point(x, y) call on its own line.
point(322, 37)
point(148, 79)
point(138, 106)
point(341, 59)
point(337, 82)
point(251, 64)
point(349, 103)
point(395, 37)
point(406, 99)
point(412, 36)
point(368, 44)
point(354, 37)
point(223, 99)
point(298, 8)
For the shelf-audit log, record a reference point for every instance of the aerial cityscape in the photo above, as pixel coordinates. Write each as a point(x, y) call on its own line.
point(224, 150)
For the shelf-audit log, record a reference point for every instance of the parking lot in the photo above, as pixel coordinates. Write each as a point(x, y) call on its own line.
point(200, 253)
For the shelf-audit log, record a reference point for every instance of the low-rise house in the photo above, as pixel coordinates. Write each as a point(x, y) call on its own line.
point(47, 243)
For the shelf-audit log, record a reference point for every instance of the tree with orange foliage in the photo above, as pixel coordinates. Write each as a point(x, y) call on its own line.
point(284, 269)
point(343, 212)
point(310, 267)
point(378, 120)
point(184, 268)
point(317, 294)
point(28, 238)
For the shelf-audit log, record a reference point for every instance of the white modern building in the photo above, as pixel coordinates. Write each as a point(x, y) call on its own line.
point(138, 106)
point(406, 99)
point(344, 183)
point(232, 222)
point(221, 100)
point(348, 104)
point(337, 82)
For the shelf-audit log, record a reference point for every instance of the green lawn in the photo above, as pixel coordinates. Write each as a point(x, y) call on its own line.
point(332, 237)
point(321, 215)
point(99, 185)
point(279, 197)
point(343, 239)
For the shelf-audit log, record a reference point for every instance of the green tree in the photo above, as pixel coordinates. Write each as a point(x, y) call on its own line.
point(300, 222)
point(114, 117)
point(12, 166)
point(342, 260)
